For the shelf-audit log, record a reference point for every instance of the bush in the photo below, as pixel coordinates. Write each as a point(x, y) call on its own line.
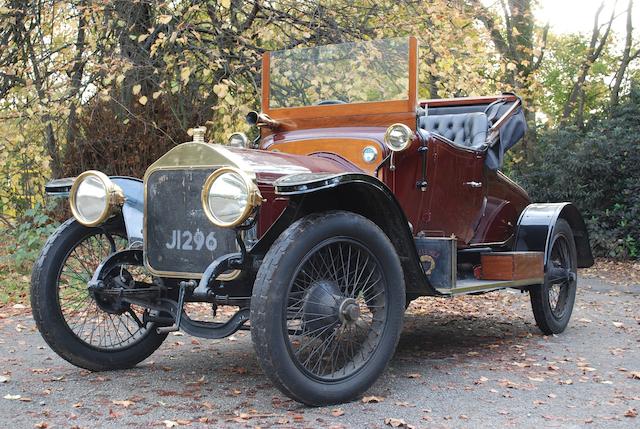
point(116, 145)
point(28, 236)
point(598, 169)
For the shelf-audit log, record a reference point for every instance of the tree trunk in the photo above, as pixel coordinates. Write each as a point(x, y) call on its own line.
point(596, 45)
point(77, 72)
point(627, 57)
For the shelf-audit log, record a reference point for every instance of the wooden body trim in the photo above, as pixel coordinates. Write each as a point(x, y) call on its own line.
point(266, 76)
point(413, 73)
point(512, 265)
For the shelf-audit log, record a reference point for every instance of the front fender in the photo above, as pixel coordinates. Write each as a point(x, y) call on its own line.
point(132, 209)
point(356, 192)
point(536, 225)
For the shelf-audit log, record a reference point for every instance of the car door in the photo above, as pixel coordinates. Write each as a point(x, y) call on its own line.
point(455, 192)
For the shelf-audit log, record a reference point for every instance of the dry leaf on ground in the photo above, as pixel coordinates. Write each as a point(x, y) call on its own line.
point(372, 399)
point(397, 423)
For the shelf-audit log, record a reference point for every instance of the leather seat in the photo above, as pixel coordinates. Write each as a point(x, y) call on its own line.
point(464, 129)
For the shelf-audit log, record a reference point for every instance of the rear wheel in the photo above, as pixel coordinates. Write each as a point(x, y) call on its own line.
point(327, 308)
point(92, 333)
point(552, 302)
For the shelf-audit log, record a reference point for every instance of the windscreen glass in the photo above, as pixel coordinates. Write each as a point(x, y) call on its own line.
point(335, 74)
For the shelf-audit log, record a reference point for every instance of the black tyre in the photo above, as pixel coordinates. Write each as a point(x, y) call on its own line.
point(72, 323)
point(327, 307)
point(552, 302)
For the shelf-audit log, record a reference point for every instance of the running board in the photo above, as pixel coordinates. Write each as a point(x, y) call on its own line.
point(468, 286)
point(492, 270)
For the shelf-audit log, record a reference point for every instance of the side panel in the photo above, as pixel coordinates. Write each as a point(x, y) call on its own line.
point(504, 201)
point(536, 224)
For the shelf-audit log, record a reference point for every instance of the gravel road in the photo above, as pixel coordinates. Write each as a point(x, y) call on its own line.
point(462, 363)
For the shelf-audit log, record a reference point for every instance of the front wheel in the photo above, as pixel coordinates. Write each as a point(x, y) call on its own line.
point(87, 332)
point(327, 307)
point(552, 302)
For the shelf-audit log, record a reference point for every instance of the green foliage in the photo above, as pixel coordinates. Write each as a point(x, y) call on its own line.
point(29, 235)
point(564, 58)
point(22, 243)
point(597, 169)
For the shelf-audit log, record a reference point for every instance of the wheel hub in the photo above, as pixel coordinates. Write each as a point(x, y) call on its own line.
point(349, 311)
point(116, 277)
point(324, 306)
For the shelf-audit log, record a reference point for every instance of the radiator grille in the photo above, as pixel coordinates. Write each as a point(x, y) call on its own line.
point(180, 241)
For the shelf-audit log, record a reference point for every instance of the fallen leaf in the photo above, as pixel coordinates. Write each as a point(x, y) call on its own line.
point(124, 403)
point(414, 375)
point(618, 324)
point(41, 425)
point(397, 423)
point(372, 399)
point(631, 412)
point(635, 375)
point(169, 423)
point(4, 379)
point(337, 412)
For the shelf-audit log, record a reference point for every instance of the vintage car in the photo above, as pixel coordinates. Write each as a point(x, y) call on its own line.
point(354, 199)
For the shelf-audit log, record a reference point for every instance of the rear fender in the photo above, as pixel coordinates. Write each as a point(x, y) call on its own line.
point(536, 225)
point(132, 209)
point(358, 193)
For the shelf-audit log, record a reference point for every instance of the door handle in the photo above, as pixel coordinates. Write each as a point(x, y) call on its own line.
point(473, 184)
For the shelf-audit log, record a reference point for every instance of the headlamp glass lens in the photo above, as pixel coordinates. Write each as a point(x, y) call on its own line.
point(228, 197)
point(91, 199)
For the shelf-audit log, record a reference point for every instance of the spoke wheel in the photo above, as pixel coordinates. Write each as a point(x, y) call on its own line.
point(327, 307)
point(559, 287)
point(336, 309)
point(100, 323)
point(90, 331)
point(552, 302)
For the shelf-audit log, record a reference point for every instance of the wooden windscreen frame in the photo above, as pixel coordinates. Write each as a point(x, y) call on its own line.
point(367, 108)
